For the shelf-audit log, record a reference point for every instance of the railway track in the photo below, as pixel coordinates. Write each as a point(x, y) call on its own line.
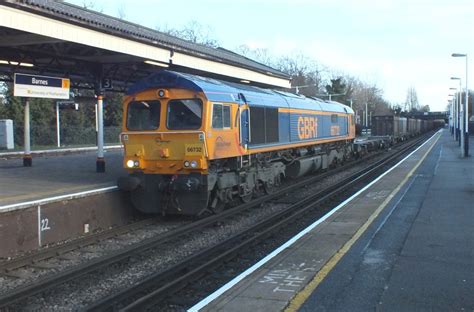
point(8, 267)
point(193, 265)
point(161, 285)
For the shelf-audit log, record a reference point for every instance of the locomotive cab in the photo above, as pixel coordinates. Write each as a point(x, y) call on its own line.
point(165, 151)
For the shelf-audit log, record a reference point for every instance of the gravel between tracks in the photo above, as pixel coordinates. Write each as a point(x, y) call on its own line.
point(82, 255)
point(77, 295)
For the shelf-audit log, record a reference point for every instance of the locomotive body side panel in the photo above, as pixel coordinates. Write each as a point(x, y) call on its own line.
point(222, 131)
point(304, 127)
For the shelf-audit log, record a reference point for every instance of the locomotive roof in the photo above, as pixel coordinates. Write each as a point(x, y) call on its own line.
point(223, 91)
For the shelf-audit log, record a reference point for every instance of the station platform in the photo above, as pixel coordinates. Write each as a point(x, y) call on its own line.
point(403, 243)
point(60, 197)
point(53, 175)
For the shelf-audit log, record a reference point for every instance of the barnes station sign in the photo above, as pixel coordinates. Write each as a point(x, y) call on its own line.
point(41, 87)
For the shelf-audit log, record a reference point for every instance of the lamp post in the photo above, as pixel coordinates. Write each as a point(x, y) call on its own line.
point(459, 117)
point(329, 95)
point(350, 100)
point(453, 113)
point(450, 104)
point(336, 94)
point(366, 114)
point(451, 101)
point(466, 110)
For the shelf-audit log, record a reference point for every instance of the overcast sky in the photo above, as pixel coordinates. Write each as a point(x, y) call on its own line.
point(394, 44)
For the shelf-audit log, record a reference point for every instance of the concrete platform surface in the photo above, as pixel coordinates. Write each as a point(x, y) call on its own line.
point(404, 244)
point(419, 254)
point(57, 199)
point(56, 175)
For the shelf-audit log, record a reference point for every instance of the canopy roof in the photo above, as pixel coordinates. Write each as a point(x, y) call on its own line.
point(64, 40)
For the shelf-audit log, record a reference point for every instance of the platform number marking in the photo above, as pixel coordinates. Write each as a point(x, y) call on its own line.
point(289, 279)
point(45, 224)
point(378, 194)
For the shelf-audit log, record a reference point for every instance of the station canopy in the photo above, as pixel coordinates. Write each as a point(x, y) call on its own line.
point(54, 38)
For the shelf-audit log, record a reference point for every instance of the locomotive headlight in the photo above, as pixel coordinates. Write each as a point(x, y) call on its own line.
point(130, 163)
point(162, 93)
point(136, 163)
point(186, 163)
point(194, 164)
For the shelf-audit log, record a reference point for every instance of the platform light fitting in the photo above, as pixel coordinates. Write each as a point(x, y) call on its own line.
point(156, 63)
point(16, 63)
point(244, 81)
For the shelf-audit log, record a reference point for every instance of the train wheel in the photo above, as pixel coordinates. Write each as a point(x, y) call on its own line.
point(219, 207)
point(246, 198)
point(260, 188)
point(268, 187)
point(217, 202)
point(245, 193)
point(191, 203)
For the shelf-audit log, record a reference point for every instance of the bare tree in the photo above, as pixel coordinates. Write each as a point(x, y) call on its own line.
point(260, 55)
point(368, 96)
point(121, 12)
point(411, 102)
point(306, 74)
point(91, 5)
point(194, 32)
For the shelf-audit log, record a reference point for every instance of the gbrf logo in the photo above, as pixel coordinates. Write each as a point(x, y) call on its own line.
point(307, 127)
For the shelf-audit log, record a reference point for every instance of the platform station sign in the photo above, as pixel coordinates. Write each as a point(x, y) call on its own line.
point(35, 86)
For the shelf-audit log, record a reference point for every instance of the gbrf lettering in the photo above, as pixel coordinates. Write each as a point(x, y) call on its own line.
point(307, 127)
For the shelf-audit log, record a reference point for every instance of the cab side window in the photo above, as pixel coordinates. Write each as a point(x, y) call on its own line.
point(226, 116)
point(220, 116)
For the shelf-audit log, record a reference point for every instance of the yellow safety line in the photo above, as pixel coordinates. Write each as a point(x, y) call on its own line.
point(302, 296)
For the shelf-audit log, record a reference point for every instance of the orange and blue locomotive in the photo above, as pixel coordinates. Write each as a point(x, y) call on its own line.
point(194, 144)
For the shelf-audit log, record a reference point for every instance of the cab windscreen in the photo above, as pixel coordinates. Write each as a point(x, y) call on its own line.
point(143, 115)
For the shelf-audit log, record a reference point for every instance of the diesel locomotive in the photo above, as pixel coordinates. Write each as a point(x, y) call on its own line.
point(193, 144)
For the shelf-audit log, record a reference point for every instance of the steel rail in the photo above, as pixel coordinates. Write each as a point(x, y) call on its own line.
point(165, 282)
point(48, 282)
point(69, 274)
point(58, 250)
